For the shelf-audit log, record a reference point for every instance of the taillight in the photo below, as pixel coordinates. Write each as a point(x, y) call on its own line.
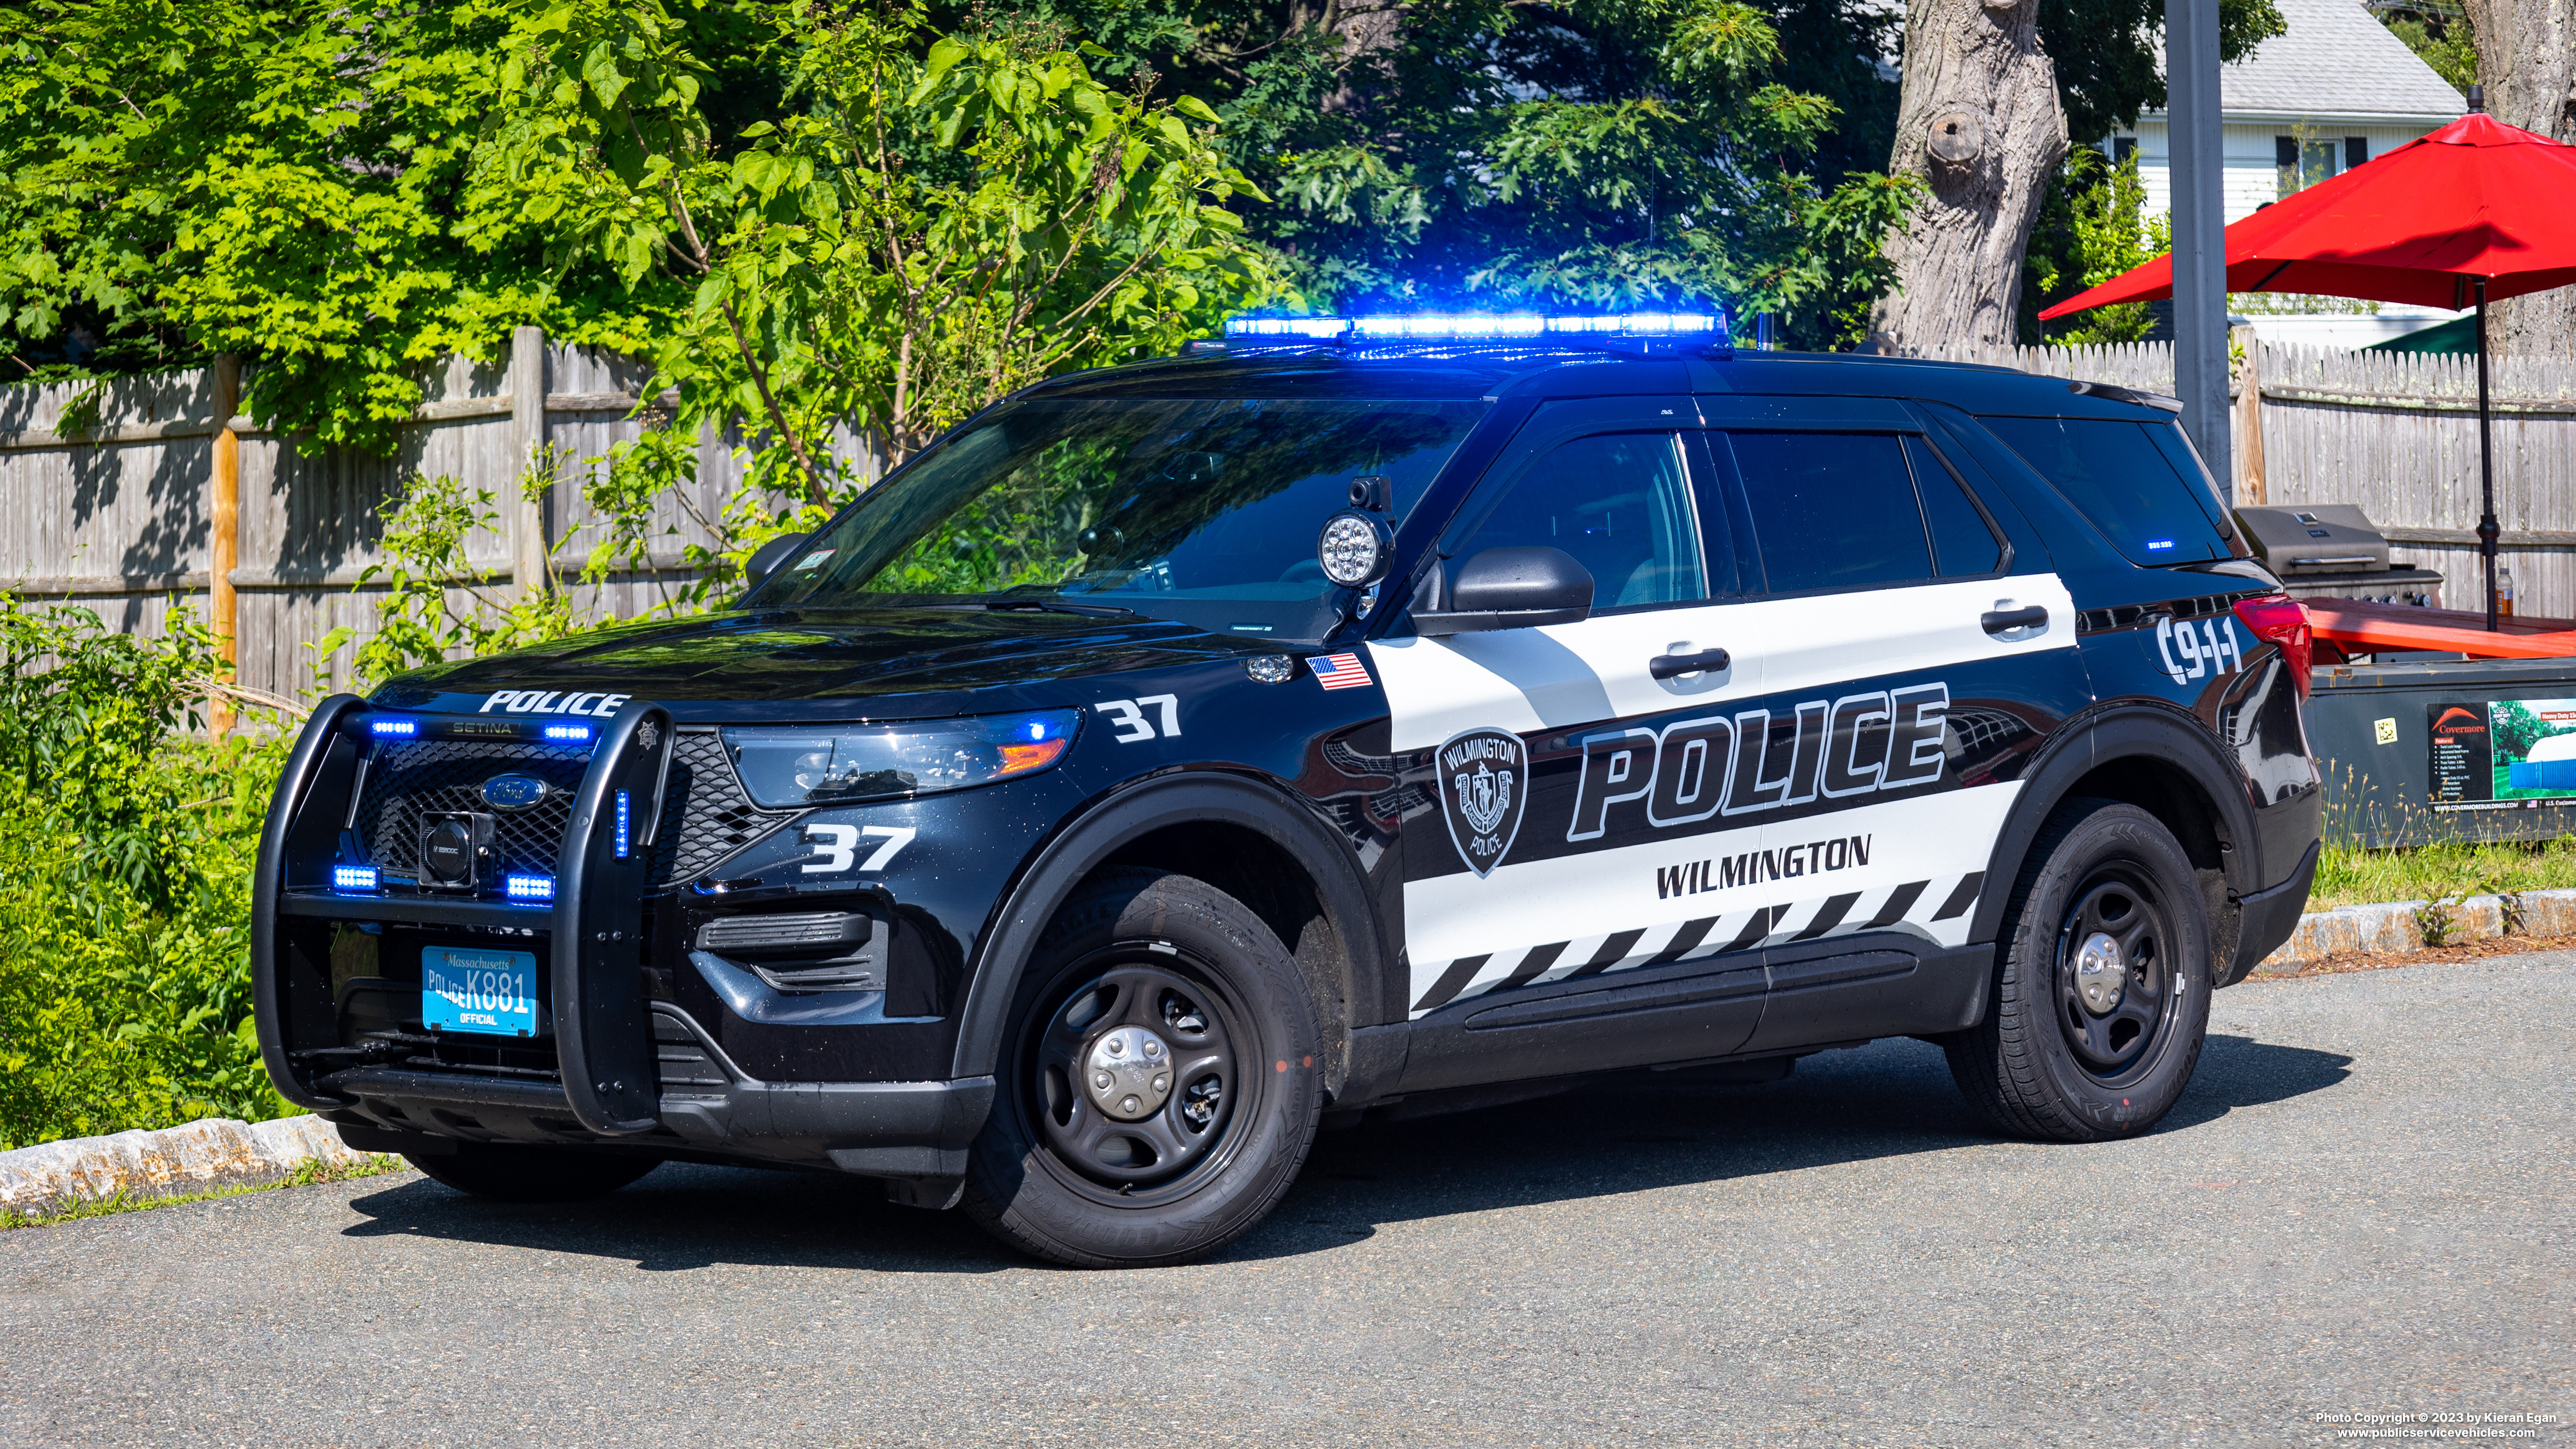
point(2281, 620)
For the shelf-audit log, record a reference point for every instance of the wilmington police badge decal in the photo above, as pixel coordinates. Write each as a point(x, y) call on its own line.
point(1484, 787)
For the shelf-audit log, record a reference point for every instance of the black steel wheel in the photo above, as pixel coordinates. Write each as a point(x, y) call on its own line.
point(2100, 996)
point(1158, 1090)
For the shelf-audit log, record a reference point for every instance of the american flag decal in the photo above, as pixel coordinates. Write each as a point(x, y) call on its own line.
point(1339, 671)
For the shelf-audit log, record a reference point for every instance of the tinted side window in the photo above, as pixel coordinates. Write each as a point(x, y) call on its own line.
point(1621, 504)
point(1963, 543)
point(1831, 510)
point(2117, 475)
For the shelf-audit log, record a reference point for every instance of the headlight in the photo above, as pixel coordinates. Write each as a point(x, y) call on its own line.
point(837, 764)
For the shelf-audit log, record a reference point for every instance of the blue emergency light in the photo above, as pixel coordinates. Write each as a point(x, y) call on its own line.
point(360, 879)
point(1608, 331)
point(528, 887)
point(393, 728)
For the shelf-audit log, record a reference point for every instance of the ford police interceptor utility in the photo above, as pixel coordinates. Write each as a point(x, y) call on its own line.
point(1351, 711)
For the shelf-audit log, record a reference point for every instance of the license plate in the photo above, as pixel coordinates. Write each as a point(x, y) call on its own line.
point(493, 992)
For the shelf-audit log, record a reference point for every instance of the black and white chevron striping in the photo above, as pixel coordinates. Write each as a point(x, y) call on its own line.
point(1917, 903)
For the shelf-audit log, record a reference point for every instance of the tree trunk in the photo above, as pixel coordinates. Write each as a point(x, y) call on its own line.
point(2527, 60)
point(1978, 120)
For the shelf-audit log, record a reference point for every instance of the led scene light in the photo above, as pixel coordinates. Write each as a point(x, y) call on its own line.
point(353, 878)
point(402, 728)
point(528, 887)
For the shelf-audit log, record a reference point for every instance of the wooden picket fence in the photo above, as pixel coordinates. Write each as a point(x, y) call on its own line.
point(171, 497)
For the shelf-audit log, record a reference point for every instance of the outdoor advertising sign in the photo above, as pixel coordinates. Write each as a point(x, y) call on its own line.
point(2502, 753)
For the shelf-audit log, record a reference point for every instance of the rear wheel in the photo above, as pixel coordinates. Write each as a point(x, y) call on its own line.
point(1158, 1089)
point(2101, 995)
point(510, 1172)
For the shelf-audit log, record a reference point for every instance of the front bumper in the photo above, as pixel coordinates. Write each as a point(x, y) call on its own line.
point(624, 1069)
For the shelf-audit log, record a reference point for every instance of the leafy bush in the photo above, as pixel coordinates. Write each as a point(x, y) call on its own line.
point(126, 848)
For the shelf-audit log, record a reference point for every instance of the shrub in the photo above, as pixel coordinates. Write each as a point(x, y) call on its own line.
point(126, 846)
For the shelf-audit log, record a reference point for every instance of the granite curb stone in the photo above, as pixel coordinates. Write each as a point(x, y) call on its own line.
point(2395, 926)
point(201, 1156)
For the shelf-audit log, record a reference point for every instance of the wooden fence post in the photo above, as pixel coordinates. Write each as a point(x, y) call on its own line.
point(2250, 487)
point(223, 543)
point(528, 425)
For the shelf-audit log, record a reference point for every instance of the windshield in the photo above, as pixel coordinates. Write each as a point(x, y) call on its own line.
point(1203, 511)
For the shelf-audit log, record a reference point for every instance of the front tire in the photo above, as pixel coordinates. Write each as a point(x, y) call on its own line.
point(1158, 1088)
point(2101, 992)
point(509, 1172)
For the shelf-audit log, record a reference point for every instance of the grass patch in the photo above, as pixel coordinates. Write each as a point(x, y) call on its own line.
point(2350, 876)
point(311, 1173)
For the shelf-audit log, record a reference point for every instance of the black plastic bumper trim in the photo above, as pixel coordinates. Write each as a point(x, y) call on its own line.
point(2267, 918)
point(415, 910)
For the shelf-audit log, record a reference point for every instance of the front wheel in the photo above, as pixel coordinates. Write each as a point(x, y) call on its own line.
point(1158, 1089)
point(2101, 995)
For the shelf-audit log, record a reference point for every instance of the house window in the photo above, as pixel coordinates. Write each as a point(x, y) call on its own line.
point(2302, 163)
point(2356, 149)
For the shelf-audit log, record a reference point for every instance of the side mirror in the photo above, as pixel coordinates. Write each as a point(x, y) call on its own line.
point(766, 559)
point(1513, 588)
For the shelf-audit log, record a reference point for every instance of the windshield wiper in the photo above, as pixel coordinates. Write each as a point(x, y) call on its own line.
point(1059, 606)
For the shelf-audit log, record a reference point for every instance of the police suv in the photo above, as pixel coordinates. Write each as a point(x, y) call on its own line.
point(1350, 712)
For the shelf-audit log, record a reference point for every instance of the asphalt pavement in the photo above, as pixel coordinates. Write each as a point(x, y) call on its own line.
point(2362, 1206)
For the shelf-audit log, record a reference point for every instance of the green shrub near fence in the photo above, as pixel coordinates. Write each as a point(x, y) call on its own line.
point(126, 847)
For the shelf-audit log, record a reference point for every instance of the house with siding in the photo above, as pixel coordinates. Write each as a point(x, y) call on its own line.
point(2334, 90)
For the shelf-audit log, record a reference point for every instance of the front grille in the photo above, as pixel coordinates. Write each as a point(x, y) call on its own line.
point(705, 814)
point(409, 779)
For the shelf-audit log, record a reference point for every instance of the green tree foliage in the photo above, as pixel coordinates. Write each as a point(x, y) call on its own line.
point(2091, 228)
point(282, 178)
point(1591, 153)
point(2440, 34)
point(125, 863)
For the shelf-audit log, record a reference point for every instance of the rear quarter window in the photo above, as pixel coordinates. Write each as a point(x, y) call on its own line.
point(2143, 491)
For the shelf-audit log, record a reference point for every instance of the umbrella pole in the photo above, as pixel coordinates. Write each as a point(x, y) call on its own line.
point(2487, 529)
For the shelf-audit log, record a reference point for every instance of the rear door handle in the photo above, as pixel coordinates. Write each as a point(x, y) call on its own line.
point(2004, 621)
point(1673, 666)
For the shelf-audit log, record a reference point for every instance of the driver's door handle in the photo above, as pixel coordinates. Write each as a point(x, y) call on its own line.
point(2004, 621)
point(1673, 666)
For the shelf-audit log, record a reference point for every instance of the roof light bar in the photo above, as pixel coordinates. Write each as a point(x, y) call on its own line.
point(1469, 326)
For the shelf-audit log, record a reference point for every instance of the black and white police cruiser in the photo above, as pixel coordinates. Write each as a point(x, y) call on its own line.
point(1353, 711)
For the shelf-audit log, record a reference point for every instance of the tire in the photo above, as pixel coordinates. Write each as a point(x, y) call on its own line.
point(507, 1172)
point(1086, 1161)
point(2069, 1051)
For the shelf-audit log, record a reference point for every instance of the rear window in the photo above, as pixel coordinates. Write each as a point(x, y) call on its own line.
point(2125, 477)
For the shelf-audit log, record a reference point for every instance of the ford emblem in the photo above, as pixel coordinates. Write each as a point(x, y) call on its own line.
point(514, 792)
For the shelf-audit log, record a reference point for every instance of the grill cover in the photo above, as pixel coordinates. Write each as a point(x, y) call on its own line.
point(2314, 538)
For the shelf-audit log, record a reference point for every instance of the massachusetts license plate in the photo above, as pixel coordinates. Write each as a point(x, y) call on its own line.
point(494, 992)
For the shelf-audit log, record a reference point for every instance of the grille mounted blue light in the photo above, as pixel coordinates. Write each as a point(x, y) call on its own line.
point(528, 887)
point(570, 733)
point(393, 728)
point(359, 878)
point(621, 825)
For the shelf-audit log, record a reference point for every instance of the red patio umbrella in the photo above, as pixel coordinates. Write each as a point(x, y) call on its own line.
point(2476, 211)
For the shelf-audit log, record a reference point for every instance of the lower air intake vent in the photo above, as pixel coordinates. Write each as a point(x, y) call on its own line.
point(857, 975)
point(804, 931)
